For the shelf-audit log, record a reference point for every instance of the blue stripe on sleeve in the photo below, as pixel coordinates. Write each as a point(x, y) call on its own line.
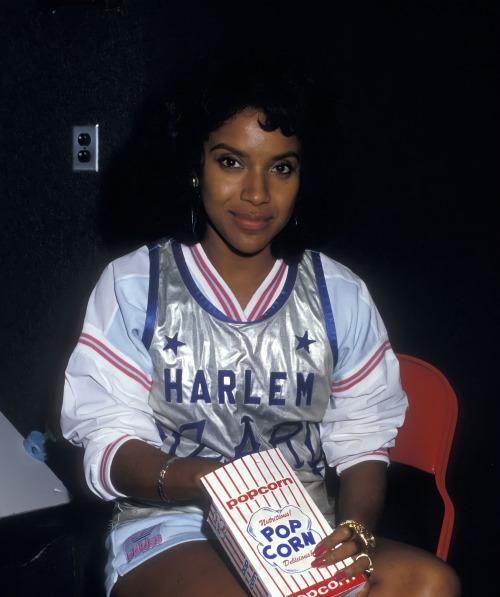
point(154, 275)
point(326, 305)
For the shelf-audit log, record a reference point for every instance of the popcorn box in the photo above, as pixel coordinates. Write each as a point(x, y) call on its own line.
point(269, 527)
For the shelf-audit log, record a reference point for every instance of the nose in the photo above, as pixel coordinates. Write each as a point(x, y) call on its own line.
point(255, 188)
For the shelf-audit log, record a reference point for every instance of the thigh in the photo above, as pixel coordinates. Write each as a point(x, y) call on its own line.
point(401, 569)
point(193, 568)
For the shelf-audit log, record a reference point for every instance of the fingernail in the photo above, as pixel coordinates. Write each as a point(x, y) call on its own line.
point(318, 562)
point(318, 550)
point(340, 575)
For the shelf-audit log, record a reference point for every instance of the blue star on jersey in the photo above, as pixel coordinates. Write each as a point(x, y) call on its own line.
point(173, 343)
point(304, 341)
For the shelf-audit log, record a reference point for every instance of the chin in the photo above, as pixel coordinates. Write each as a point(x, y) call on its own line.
point(247, 246)
point(247, 251)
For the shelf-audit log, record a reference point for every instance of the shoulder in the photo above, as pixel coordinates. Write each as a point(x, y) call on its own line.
point(134, 267)
point(345, 288)
point(123, 285)
point(335, 269)
point(340, 279)
point(135, 263)
point(359, 328)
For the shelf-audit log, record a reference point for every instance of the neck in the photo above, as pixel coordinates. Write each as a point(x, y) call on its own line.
point(242, 273)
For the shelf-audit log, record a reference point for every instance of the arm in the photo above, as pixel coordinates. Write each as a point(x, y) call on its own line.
point(367, 407)
point(367, 404)
point(362, 493)
point(361, 499)
point(136, 467)
point(105, 407)
point(109, 374)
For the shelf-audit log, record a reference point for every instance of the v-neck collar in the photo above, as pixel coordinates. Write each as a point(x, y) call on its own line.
point(214, 295)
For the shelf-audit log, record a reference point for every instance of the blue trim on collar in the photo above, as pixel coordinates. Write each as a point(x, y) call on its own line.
point(331, 330)
point(154, 278)
point(195, 292)
point(202, 300)
point(284, 294)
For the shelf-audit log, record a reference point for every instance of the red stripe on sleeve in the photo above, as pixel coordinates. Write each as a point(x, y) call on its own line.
point(115, 360)
point(348, 383)
point(104, 464)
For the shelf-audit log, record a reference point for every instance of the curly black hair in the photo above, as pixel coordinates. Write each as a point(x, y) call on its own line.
point(200, 96)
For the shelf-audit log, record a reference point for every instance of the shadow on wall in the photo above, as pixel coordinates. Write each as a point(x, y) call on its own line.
point(135, 206)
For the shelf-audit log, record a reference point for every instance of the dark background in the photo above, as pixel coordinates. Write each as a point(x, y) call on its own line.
point(414, 215)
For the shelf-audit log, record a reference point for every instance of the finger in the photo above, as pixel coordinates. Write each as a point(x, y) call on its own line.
point(362, 564)
point(341, 551)
point(340, 535)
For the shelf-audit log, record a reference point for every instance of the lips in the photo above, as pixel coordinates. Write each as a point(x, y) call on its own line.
point(248, 221)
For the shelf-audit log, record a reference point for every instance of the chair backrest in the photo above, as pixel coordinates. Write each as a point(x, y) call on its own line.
point(424, 441)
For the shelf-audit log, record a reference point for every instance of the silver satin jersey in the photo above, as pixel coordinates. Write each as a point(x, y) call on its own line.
point(222, 389)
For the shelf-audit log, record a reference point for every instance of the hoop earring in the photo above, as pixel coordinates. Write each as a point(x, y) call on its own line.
point(194, 219)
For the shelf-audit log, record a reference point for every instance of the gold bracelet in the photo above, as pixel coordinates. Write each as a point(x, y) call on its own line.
point(363, 533)
point(170, 502)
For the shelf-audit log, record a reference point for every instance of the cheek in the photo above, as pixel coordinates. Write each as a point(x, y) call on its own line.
point(289, 198)
point(216, 189)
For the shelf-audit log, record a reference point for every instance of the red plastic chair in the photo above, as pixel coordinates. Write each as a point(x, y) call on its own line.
point(425, 439)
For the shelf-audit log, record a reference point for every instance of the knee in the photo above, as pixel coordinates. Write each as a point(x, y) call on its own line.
point(404, 570)
point(418, 577)
point(437, 579)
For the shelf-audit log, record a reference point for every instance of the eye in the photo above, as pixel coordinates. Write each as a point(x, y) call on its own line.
point(283, 168)
point(229, 162)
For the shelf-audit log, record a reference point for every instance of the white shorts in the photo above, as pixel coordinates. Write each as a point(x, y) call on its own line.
point(135, 542)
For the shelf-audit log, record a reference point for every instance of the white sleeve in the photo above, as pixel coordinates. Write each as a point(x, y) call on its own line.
point(367, 403)
point(108, 376)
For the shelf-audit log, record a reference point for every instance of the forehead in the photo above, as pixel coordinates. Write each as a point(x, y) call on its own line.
point(243, 132)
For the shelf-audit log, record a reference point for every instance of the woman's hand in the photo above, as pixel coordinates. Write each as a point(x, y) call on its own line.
point(341, 544)
point(362, 492)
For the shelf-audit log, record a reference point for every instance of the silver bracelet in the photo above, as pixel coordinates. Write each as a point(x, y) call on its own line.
point(170, 502)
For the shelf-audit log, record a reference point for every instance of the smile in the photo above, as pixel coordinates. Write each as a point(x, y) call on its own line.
point(248, 221)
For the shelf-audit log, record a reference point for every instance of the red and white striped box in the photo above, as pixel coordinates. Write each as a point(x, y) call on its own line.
point(269, 527)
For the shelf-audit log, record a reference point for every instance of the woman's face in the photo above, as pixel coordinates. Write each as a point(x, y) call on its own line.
point(249, 184)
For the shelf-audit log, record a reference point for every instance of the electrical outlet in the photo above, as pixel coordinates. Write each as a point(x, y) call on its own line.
point(86, 148)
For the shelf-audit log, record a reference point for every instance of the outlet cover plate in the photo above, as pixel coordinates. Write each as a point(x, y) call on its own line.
point(86, 148)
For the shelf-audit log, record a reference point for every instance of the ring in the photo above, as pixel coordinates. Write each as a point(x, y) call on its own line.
point(368, 570)
point(364, 535)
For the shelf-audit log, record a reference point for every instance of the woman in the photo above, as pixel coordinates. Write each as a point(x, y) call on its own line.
point(232, 339)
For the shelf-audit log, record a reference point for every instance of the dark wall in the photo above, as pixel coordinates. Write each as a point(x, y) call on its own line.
point(74, 65)
point(412, 215)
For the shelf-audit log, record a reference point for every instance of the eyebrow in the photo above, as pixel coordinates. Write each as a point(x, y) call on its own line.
point(288, 154)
